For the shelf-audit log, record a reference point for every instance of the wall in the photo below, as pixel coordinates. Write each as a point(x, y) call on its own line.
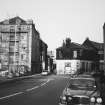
point(35, 61)
point(61, 66)
point(73, 66)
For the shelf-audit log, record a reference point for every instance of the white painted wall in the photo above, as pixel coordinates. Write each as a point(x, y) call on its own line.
point(61, 69)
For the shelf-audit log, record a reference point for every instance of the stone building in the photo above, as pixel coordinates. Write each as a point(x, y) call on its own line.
point(43, 56)
point(19, 47)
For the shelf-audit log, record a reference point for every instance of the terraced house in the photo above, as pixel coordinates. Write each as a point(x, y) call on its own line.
point(19, 47)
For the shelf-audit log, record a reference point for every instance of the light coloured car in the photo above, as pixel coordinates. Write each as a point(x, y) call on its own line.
point(44, 73)
point(81, 91)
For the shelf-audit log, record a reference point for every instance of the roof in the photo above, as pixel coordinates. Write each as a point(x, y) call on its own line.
point(15, 20)
point(43, 42)
point(93, 45)
point(85, 75)
point(97, 45)
point(104, 25)
point(73, 45)
point(84, 78)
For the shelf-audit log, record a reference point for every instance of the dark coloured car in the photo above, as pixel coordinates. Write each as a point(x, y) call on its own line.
point(85, 75)
point(81, 91)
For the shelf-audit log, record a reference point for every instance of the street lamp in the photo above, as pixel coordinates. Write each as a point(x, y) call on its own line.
point(104, 44)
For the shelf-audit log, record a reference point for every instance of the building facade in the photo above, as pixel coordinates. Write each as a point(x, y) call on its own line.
point(19, 46)
point(98, 56)
point(75, 58)
point(51, 62)
point(43, 55)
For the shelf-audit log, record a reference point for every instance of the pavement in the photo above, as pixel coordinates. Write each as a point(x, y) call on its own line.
point(13, 79)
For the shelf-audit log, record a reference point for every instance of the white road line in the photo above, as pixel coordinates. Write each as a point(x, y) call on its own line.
point(37, 86)
point(32, 88)
point(11, 95)
point(8, 96)
point(45, 82)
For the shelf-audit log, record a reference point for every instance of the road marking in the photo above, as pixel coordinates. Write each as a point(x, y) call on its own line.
point(32, 88)
point(43, 84)
point(8, 96)
point(38, 86)
point(11, 95)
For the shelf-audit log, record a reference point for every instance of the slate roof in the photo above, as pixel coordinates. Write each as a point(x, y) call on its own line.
point(97, 45)
point(93, 45)
point(88, 44)
point(73, 45)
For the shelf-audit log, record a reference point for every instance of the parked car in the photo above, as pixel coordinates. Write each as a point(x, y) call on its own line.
point(44, 73)
point(85, 75)
point(81, 91)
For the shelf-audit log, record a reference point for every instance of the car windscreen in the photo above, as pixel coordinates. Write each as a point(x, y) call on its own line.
point(82, 84)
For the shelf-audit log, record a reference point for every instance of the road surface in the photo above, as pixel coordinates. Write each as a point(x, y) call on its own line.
point(38, 90)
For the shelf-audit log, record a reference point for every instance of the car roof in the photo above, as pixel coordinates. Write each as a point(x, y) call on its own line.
point(84, 77)
point(81, 78)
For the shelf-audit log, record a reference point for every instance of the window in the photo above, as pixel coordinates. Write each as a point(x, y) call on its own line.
point(23, 57)
point(12, 44)
point(4, 45)
point(24, 28)
point(78, 65)
point(24, 46)
point(12, 29)
point(79, 53)
point(74, 54)
point(67, 64)
point(60, 54)
point(24, 36)
point(11, 59)
point(4, 37)
point(100, 52)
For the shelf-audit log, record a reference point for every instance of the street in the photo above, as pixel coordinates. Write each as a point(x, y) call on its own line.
point(38, 90)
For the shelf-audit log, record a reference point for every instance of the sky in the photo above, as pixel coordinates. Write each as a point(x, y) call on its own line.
point(58, 19)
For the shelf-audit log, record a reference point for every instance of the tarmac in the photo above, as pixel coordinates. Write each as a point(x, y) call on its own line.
point(4, 80)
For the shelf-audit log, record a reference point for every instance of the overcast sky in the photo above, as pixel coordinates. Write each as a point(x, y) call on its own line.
point(58, 19)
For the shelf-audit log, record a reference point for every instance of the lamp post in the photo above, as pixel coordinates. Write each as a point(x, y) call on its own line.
point(104, 44)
